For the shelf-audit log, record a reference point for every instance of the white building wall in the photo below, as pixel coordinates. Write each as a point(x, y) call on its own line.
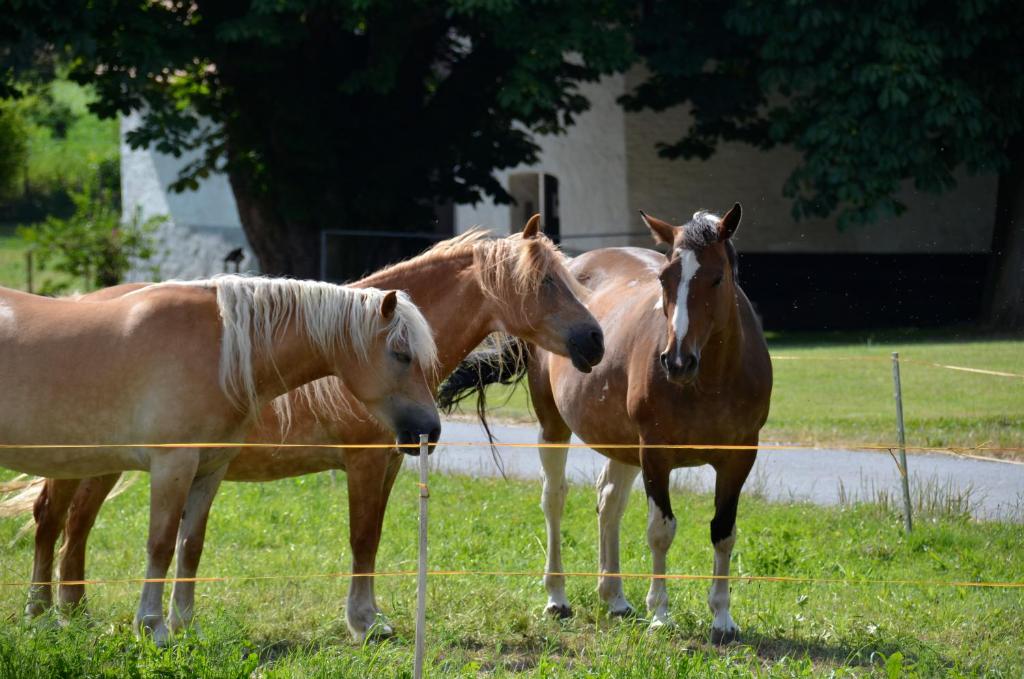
point(589, 161)
point(204, 224)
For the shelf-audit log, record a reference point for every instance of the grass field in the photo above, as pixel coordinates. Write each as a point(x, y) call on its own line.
point(836, 389)
point(495, 625)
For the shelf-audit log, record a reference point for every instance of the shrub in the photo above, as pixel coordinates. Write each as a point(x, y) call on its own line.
point(93, 243)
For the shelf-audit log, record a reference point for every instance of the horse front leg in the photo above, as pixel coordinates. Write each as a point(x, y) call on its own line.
point(613, 489)
point(368, 489)
point(49, 511)
point(85, 506)
point(191, 537)
point(552, 501)
point(729, 480)
point(171, 473)
point(661, 529)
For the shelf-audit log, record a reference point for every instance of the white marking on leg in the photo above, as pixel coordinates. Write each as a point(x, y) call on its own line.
point(552, 501)
point(723, 626)
point(660, 533)
point(361, 613)
point(681, 319)
point(613, 488)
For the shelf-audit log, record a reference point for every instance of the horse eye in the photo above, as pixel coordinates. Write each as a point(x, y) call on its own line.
point(402, 357)
point(547, 280)
point(717, 282)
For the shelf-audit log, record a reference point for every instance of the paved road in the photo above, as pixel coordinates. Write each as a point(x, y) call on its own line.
point(995, 490)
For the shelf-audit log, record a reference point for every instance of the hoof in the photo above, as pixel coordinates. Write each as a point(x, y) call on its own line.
point(45, 621)
point(720, 637)
point(626, 611)
point(33, 609)
point(152, 626)
point(660, 623)
point(379, 630)
point(558, 611)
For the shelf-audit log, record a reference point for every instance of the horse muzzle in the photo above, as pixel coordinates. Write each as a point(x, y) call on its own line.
point(410, 429)
point(586, 347)
point(680, 368)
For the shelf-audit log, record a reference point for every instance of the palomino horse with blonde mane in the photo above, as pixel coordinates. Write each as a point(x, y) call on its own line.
point(686, 363)
point(194, 362)
point(466, 287)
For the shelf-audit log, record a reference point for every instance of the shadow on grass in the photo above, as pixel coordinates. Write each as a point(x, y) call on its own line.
point(843, 652)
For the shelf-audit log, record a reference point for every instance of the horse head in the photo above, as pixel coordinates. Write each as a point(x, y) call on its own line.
point(698, 287)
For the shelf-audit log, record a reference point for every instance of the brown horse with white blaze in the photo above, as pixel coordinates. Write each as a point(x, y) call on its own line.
point(194, 362)
point(466, 287)
point(686, 363)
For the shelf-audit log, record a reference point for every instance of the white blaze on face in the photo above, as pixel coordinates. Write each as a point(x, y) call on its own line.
point(688, 269)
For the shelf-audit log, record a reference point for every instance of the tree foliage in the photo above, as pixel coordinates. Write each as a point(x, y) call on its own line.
point(13, 151)
point(359, 113)
point(872, 94)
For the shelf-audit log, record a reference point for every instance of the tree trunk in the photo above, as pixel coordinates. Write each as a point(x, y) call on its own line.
point(282, 248)
point(1004, 298)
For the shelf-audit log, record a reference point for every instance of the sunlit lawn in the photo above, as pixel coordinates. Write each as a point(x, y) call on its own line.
point(293, 626)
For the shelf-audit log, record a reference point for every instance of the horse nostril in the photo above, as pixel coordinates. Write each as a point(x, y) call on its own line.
point(690, 363)
point(664, 361)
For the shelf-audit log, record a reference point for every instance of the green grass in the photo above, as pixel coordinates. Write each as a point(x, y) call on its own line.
point(495, 625)
point(828, 396)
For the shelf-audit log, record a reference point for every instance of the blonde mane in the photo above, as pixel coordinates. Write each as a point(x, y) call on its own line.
point(255, 310)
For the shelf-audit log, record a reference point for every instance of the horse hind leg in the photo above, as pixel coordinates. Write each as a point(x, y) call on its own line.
point(85, 506)
point(49, 510)
point(613, 489)
point(728, 484)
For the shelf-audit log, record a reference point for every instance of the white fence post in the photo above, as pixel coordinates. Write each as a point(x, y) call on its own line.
point(421, 585)
point(898, 392)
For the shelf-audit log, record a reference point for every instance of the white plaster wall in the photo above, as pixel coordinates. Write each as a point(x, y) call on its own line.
point(204, 224)
point(959, 221)
point(589, 162)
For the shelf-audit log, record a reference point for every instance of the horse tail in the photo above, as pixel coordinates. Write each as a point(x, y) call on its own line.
point(23, 492)
point(501, 359)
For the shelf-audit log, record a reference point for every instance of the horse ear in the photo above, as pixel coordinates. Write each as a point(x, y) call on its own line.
point(663, 232)
point(532, 228)
point(731, 220)
point(388, 304)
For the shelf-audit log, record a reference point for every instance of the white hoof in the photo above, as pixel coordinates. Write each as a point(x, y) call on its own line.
point(724, 629)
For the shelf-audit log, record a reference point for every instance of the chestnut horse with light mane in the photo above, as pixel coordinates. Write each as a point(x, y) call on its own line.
point(195, 362)
point(467, 287)
point(686, 363)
